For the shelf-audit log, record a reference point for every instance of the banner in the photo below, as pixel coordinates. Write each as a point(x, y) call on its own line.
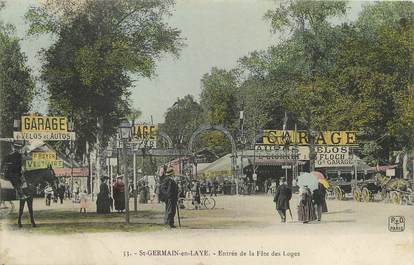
point(48, 156)
point(277, 152)
point(34, 123)
point(333, 156)
point(37, 164)
point(277, 137)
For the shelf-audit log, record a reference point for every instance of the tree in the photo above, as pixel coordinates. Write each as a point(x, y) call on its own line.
point(307, 22)
point(219, 97)
point(181, 120)
point(374, 66)
point(16, 84)
point(99, 45)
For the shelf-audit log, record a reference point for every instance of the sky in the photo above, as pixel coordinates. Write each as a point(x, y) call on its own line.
point(217, 33)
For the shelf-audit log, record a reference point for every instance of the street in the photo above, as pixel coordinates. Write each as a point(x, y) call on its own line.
point(350, 233)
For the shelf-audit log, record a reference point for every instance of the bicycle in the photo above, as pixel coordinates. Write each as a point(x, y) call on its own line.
point(208, 202)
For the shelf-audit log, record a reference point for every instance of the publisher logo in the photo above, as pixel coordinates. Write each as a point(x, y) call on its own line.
point(396, 223)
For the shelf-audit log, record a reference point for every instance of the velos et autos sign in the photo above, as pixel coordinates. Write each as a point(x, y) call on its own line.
point(45, 128)
point(333, 156)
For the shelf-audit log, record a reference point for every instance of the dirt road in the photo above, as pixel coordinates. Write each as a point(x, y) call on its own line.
point(241, 230)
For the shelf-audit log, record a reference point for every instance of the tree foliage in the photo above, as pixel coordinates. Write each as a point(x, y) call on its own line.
point(351, 76)
point(16, 83)
point(99, 45)
point(181, 120)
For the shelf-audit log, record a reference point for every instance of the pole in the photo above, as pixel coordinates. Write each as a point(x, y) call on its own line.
point(124, 151)
point(111, 177)
point(71, 163)
point(135, 182)
point(178, 215)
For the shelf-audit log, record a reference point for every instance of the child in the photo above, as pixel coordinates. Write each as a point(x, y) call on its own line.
point(83, 196)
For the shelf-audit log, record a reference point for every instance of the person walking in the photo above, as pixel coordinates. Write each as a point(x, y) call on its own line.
point(323, 194)
point(318, 198)
point(103, 199)
point(169, 194)
point(61, 192)
point(306, 211)
point(196, 195)
point(119, 194)
point(83, 198)
point(282, 197)
point(48, 194)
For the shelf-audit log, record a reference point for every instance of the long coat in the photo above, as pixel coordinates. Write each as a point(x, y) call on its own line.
point(306, 210)
point(319, 197)
point(282, 197)
point(119, 196)
point(103, 202)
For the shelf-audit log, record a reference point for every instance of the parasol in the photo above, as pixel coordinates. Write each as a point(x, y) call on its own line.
point(318, 174)
point(307, 179)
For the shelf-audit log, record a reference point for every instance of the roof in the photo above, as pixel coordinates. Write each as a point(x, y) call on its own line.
point(274, 162)
point(222, 166)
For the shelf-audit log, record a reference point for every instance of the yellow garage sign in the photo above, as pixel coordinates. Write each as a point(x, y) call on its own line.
point(279, 137)
point(145, 131)
point(33, 123)
point(48, 156)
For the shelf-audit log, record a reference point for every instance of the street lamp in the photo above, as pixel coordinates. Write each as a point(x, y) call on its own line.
point(125, 132)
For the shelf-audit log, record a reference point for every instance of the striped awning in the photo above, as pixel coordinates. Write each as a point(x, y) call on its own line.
point(275, 162)
point(67, 172)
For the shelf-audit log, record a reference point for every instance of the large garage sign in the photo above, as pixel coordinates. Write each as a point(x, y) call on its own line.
point(45, 128)
point(279, 137)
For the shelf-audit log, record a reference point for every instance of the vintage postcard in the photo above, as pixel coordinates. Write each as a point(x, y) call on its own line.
point(206, 132)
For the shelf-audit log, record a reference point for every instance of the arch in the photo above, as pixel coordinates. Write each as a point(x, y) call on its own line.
point(167, 138)
point(209, 127)
point(259, 135)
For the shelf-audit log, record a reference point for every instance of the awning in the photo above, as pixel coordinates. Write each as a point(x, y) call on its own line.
point(67, 172)
point(275, 162)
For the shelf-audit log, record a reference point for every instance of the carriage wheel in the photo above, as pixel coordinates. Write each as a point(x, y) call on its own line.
point(382, 195)
point(395, 197)
point(209, 203)
point(411, 198)
point(339, 195)
point(357, 194)
point(6, 208)
point(366, 195)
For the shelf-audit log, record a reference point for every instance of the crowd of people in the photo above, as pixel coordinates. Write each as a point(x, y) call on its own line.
point(311, 204)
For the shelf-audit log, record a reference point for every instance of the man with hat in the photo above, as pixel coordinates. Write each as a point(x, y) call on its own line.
point(12, 166)
point(169, 194)
point(282, 197)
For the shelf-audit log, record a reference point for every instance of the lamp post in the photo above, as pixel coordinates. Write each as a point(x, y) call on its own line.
point(71, 147)
point(124, 131)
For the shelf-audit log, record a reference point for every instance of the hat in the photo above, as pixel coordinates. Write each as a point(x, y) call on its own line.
point(169, 172)
point(18, 144)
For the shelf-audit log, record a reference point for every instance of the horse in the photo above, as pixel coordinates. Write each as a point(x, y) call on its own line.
point(33, 179)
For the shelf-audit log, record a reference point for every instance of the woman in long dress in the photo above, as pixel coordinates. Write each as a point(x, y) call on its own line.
point(103, 201)
point(119, 194)
point(306, 210)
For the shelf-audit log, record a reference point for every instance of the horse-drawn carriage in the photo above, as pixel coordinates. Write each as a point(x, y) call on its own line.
point(7, 196)
point(395, 190)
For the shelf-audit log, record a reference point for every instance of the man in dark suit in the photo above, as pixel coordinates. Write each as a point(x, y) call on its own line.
point(12, 168)
point(169, 190)
point(282, 197)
